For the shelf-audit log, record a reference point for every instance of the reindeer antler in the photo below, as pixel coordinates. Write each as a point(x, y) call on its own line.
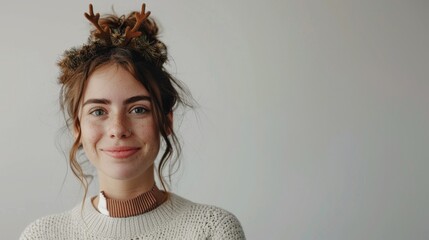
point(102, 33)
point(140, 18)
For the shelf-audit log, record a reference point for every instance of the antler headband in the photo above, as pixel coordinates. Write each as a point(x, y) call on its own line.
point(106, 37)
point(105, 33)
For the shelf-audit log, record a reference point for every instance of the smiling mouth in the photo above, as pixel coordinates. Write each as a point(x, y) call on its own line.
point(120, 152)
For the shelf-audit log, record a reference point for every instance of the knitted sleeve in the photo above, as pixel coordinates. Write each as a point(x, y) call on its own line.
point(225, 225)
point(229, 228)
point(48, 227)
point(33, 231)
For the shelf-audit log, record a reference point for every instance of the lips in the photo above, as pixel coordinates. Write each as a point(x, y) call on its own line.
point(120, 152)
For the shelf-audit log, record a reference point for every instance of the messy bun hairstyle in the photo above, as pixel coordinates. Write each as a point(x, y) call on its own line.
point(144, 57)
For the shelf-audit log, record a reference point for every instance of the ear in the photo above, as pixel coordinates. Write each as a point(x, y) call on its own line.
point(76, 130)
point(75, 133)
point(170, 123)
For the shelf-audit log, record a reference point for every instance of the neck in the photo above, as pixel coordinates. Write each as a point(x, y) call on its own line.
point(125, 189)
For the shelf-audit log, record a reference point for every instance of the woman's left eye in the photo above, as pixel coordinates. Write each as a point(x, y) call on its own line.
point(138, 110)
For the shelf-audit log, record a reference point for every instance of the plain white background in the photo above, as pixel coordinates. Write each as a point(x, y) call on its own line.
point(313, 120)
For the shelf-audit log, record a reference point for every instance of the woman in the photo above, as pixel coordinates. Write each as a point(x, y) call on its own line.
point(120, 100)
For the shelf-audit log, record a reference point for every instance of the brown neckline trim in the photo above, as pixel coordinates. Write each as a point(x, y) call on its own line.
point(141, 204)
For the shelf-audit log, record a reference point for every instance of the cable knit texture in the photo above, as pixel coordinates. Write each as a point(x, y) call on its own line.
point(177, 218)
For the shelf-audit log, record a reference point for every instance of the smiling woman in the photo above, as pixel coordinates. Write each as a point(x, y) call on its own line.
point(120, 101)
point(118, 132)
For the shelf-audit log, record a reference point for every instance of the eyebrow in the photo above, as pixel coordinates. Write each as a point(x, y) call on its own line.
point(136, 99)
point(107, 102)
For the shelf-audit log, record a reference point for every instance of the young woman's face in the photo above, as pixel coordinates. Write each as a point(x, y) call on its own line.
point(118, 130)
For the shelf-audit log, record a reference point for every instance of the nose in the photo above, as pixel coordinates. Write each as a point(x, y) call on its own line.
point(119, 127)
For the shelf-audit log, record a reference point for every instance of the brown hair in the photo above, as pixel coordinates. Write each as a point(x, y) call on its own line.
point(148, 68)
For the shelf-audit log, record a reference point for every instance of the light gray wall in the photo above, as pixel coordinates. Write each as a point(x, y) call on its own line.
point(314, 117)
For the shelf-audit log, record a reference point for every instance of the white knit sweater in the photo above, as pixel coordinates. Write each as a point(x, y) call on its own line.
point(177, 218)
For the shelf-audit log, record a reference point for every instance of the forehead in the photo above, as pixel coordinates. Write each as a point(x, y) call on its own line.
point(113, 81)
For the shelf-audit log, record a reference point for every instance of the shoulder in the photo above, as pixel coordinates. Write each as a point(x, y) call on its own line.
point(48, 227)
point(217, 222)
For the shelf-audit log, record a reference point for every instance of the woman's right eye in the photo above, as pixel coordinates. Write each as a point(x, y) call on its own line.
point(98, 112)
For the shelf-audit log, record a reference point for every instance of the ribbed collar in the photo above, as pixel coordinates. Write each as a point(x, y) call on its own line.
point(96, 224)
point(143, 203)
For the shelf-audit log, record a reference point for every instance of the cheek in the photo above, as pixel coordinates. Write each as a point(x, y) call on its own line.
point(90, 134)
point(147, 132)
